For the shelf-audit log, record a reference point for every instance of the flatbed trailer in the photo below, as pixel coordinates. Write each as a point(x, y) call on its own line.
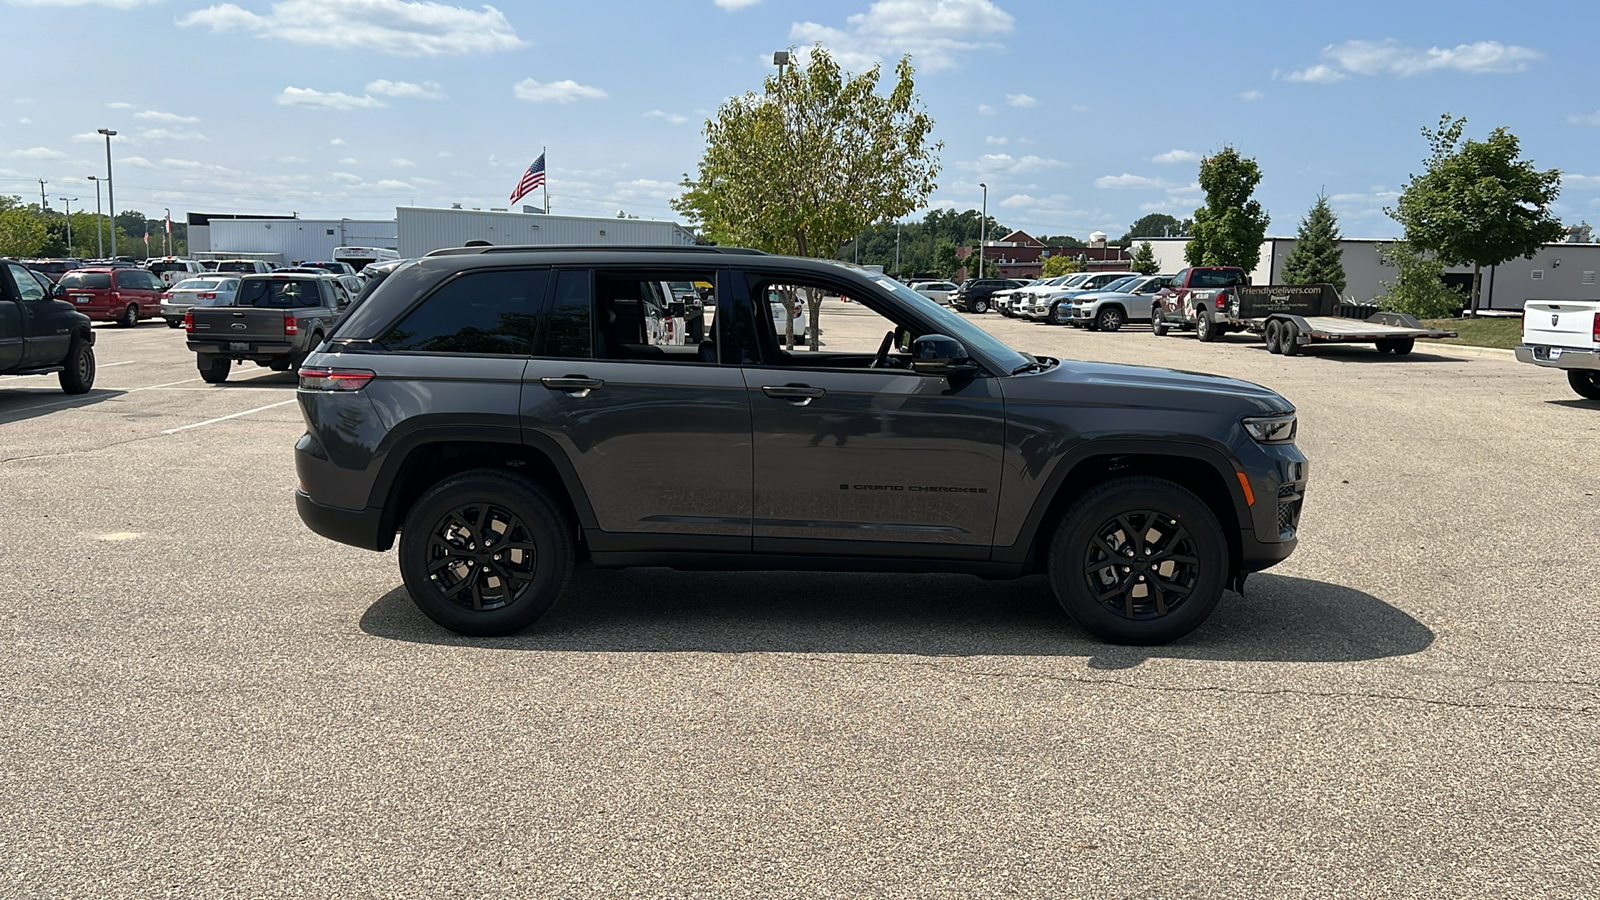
point(1290, 318)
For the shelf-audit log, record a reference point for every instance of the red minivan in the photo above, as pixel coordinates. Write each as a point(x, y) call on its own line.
point(123, 296)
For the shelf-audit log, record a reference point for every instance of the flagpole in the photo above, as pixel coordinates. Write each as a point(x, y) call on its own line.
point(546, 184)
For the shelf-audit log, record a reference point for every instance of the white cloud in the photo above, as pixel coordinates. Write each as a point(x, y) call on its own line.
point(170, 134)
point(1019, 200)
point(87, 137)
point(38, 153)
point(336, 142)
point(1590, 119)
point(1582, 182)
point(1078, 107)
point(673, 118)
point(402, 163)
point(119, 105)
point(934, 32)
point(1125, 180)
point(137, 162)
point(348, 161)
point(1175, 156)
point(442, 154)
point(732, 5)
point(1251, 95)
point(24, 121)
point(428, 90)
point(391, 184)
point(345, 177)
point(399, 27)
point(293, 96)
point(114, 4)
point(985, 109)
point(990, 163)
point(152, 115)
point(1390, 57)
point(998, 141)
point(567, 91)
point(1021, 101)
point(291, 159)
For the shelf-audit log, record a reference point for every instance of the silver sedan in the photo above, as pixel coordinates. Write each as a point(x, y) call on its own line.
point(191, 292)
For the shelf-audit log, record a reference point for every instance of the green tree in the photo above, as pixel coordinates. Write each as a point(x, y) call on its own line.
point(1060, 265)
point(1152, 225)
point(1229, 229)
point(1419, 288)
point(1477, 203)
point(1317, 257)
point(1144, 261)
point(1060, 240)
point(945, 261)
point(22, 231)
point(813, 161)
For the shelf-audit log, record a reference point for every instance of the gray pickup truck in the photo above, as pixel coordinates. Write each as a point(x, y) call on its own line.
point(275, 321)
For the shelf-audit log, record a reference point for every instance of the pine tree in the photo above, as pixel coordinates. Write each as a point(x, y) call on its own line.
point(1316, 257)
point(1144, 261)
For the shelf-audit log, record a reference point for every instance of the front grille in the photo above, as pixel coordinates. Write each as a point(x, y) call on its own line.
point(1289, 503)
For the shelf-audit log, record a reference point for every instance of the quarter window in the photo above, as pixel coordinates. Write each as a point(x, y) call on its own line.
point(478, 313)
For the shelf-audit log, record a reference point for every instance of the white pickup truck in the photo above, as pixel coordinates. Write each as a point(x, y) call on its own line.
point(1564, 334)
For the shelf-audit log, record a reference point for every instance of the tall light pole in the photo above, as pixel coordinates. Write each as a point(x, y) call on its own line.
point(166, 235)
point(43, 205)
point(111, 198)
point(99, 236)
point(983, 227)
point(69, 201)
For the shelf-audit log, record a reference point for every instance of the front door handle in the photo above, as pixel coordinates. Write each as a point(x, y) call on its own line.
point(798, 394)
point(576, 385)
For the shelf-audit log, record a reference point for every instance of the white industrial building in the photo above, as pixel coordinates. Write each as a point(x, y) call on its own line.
point(1556, 271)
point(295, 239)
point(423, 230)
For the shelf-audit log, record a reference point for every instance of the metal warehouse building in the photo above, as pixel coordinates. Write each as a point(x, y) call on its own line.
point(1556, 271)
point(297, 239)
point(422, 230)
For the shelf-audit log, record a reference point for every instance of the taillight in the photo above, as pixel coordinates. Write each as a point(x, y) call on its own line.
point(1596, 335)
point(165, 296)
point(290, 326)
point(323, 379)
point(211, 296)
point(1222, 299)
point(116, 296)
point(188, 322)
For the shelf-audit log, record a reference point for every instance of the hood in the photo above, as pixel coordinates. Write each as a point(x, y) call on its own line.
point(1095, 383)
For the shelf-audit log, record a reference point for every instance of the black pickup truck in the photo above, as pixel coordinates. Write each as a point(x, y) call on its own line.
point(275, 321)
point(40, 334)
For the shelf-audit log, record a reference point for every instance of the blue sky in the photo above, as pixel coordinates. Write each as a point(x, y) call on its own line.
point(1078, 116)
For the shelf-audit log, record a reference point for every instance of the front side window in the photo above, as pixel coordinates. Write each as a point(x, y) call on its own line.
point(639, 315)
point(27, 286)
point(478, 313)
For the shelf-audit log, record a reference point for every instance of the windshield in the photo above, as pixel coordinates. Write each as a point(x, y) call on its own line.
point(94, 281)
point(1075, 279)
point(158, 268)
point(197, 284)
point(245, 267)
point(955, 326)
point(1121, 284)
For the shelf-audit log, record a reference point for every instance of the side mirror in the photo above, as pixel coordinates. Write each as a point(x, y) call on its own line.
point(57, 290)
point(938, 354)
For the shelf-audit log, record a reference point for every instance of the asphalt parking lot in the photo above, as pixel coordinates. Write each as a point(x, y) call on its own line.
point(203, 699)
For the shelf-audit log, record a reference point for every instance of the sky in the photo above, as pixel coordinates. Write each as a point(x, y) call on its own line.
point(1079, 117)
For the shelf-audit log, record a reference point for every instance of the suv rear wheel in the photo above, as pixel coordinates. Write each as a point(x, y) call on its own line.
point(1204, 328)
point(486, 553)
point(1110, 319)
point(1138, 560)
point(213, 369)
point(979, 306)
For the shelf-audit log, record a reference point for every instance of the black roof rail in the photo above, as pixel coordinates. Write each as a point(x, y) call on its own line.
point(581, 248)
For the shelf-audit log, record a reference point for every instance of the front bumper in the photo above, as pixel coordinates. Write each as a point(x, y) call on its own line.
point(1557, 357)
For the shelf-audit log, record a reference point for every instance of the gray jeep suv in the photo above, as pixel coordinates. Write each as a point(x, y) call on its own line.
point(508, 410)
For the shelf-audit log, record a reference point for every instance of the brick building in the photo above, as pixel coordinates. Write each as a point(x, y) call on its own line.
point(1020, 255)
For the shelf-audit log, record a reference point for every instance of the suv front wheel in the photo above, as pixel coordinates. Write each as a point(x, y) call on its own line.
point(1138, 560)
point(485, 553)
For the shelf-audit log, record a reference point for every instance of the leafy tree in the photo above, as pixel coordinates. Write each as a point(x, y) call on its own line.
point(945, 261)
point(1229, 229)
point(1476, 202)
point(813, 161)
point(1152, 225)
point(1420, 289)
point(1317, 257)
point(1144, 261)
point(1060, 240)
point(22, 231)
point(1060, 265)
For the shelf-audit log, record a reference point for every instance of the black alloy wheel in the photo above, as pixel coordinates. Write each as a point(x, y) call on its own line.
point(1139, 560)
point(1110, 319)
point(1586, 382)
point(486, 553)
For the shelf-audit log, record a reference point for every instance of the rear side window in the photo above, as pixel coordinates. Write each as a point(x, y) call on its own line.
point(568, 334)
point(1203, 279)
point(476, 313)
point(272, 293)
point(92, 281)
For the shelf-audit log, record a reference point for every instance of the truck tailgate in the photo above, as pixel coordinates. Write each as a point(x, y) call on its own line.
point(239, 323)
point(1560, 323)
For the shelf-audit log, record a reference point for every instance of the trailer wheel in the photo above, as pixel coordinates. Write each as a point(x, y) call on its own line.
point(1401, 346)
point(1270, 335)
point(1384, 349)
point(1286, 339)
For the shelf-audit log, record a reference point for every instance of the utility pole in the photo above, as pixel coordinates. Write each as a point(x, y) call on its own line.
point(69, 201)
point(111, 197)
point(99, 234)
point(43, 205)
point(983, 227)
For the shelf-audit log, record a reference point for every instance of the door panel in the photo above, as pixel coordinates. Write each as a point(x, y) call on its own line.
point(862, 457)
point(660, 448)
point(10, 332)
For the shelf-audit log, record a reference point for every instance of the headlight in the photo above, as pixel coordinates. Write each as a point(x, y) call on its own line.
point(1272, 429)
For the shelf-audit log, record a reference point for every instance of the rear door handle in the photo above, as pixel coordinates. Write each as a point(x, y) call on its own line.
point(576, 385)
point(798, 394)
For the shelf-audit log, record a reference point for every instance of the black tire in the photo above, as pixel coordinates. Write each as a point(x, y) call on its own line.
point(1158, 325)
point(1286, 339)
point(77, 376)
point(282, 363)
point(172, 324)
point(1402, 346)
point(1384, 349)
point(1205, 330)
point(214, 369)
point(130, 316)
point(1109, 319)
point(441, 560)
point(1117, 518)
point(980, 306)
point(1272, 333)
point(1055, 317)
point(1586, 382)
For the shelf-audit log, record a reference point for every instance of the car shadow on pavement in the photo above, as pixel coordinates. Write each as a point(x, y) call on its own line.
point(21, 405)
point(265, 379)
point(1576, 404)
point(1365, 353)
point(1281, 619)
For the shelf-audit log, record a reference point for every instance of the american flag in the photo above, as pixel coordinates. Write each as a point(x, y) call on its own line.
point(531, 179)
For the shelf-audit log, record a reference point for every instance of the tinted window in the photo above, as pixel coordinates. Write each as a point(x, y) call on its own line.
point(568, 332)
point(160, 267)
point(479, 312)
point(196, 284)
point(242, 267)
point(1203, 279)
point(279, 293)
point(94, 281)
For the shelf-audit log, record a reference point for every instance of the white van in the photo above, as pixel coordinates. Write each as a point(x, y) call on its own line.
point(244, 266)
point(172, 269)
point(361, 257)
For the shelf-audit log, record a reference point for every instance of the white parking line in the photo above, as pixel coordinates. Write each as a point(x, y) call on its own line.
point(226, 418)
point(126, 362)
